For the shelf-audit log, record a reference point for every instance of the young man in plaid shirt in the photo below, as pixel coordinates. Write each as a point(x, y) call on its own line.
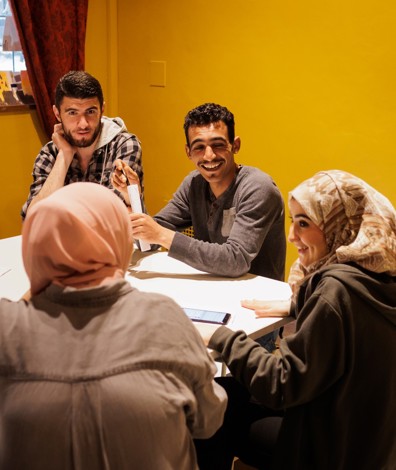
point(85, 144)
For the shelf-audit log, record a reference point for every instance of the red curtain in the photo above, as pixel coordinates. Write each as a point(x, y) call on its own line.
point(52, 34)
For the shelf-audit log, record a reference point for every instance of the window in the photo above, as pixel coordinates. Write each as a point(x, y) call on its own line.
point(15, 89)
point(10, 60)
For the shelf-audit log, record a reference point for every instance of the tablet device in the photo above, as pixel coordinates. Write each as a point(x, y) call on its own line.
point(207, 316)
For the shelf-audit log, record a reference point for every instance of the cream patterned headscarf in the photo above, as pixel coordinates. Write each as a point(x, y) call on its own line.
point(358, 222)
point(79, 236)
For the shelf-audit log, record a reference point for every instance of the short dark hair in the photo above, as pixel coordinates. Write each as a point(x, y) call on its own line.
point(209, 113)
point(78, 84)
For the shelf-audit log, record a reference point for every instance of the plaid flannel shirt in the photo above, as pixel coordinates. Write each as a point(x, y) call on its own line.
point(124, 146)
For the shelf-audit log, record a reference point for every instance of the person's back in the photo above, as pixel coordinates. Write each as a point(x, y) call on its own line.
point(97, 375)
point(103, 382)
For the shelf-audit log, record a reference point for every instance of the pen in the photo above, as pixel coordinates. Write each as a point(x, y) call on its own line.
point(127, 180)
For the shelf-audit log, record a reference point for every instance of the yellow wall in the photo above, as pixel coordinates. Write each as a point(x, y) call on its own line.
point(20, 137)
point(101, 49)
point(311, 84)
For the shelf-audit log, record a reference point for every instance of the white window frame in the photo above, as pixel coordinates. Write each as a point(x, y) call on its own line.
point(10, 61)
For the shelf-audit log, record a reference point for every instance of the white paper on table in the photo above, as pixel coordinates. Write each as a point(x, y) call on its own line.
point(189, 287)
point(161, 263)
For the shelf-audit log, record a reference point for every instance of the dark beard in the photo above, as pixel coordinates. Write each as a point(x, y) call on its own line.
point(84, 142)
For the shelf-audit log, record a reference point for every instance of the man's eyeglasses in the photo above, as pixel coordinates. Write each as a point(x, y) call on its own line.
point(218, 148)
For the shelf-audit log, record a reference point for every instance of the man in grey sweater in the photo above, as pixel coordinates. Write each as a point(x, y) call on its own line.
point(236, 211)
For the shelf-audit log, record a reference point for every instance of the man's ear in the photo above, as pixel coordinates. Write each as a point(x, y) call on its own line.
point(187, 149)
point(103, 106)
point(236, 145)
point(56, 112)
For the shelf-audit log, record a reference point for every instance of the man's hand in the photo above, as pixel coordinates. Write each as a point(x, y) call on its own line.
point(121, 172)
point(56, 178)
point(68, 151)
point(145, 228)
point(268, 308)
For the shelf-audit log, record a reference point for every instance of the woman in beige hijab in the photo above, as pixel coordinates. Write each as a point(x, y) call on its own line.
point(327, 400)
point(93, 373)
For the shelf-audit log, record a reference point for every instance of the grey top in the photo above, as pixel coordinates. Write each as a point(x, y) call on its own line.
point(241, 231)
point(103, 378)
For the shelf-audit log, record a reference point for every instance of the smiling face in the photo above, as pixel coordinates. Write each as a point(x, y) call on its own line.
point(213, 154)
point(306, 236)
point(80, 119)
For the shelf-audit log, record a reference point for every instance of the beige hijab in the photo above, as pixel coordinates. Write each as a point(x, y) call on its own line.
point(358, 222)
point(79, 236)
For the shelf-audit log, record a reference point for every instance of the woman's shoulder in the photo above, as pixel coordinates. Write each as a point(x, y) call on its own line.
point(344, 285)
point(9, 309)
point(352, 273)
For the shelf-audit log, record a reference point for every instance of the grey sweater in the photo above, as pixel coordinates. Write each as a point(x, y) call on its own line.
point(241, 231)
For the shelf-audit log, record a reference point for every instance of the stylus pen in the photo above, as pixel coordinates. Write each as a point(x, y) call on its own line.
point(126, 177)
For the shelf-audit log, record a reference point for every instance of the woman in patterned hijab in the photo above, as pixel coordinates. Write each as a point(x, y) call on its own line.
point(317, 402)
point(358, 223)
